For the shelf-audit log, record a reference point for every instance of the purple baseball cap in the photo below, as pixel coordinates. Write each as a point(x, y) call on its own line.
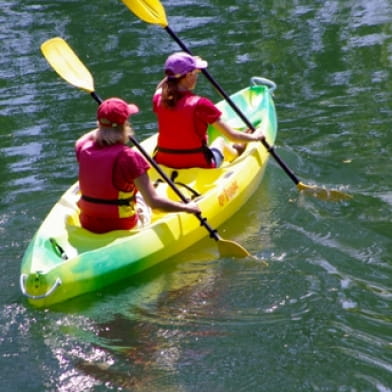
point(180, 63)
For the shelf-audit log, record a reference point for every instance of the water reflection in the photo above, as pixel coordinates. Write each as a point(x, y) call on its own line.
point(142, 346)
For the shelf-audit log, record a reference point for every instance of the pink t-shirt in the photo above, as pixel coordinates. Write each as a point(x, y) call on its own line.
point(183, 128)
point(129, 165)
point(205, 113)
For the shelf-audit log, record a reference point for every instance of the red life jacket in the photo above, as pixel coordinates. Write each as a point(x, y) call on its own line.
point(100, 198)
point(179, 146)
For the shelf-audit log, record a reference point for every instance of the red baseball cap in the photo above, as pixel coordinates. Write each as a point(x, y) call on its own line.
point(114, 111)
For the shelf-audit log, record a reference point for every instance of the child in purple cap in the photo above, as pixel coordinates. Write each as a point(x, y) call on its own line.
point(183, 119)
point(116, 191)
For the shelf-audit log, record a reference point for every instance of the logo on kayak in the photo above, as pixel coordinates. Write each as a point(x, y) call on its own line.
point(228, 193)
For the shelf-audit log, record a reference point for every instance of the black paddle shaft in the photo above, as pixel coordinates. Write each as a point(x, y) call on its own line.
point(269, 148)
point(203, 221)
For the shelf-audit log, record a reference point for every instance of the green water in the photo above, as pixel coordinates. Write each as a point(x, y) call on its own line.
point(318, 318)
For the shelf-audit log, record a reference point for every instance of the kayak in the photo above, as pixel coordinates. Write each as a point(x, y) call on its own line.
point(64, 260)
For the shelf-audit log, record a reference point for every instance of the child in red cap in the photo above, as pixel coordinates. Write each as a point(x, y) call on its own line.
point(113, 179)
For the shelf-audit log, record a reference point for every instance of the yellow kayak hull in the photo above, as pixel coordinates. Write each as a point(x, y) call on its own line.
point(63, 260)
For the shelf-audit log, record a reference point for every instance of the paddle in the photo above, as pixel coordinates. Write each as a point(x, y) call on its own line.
point(152, 11)
point(65, 62)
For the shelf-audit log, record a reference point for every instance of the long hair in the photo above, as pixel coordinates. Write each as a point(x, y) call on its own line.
point(171, 93)
point(108, 136)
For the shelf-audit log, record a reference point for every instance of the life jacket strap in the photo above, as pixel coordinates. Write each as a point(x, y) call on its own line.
point(203, 149)
point(116, 202)
point(181, 151)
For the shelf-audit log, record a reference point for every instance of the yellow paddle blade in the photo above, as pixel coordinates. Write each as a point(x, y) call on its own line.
point(65, 62)
point(322, 193)
point(231, 249)
point(150, 11)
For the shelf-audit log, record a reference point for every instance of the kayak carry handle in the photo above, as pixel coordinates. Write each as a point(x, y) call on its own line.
point(258, 80)
point(23, 278)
